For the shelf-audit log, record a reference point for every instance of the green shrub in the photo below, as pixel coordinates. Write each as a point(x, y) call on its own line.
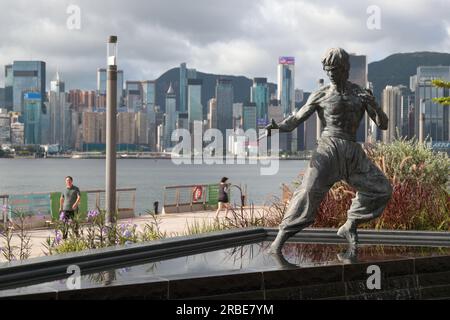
point(419, 178)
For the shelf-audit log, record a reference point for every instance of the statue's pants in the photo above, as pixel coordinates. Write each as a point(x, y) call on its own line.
point(337, 159)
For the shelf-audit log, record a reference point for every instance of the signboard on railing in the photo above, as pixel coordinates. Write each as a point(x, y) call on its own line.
point(29, 205)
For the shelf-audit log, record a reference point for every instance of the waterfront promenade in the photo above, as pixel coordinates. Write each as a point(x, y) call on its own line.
point(172, 224)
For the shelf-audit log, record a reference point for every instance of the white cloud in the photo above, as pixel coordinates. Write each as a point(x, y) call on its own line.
point(230, 37)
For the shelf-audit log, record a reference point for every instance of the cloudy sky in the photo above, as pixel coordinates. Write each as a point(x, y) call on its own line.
point(240, 37)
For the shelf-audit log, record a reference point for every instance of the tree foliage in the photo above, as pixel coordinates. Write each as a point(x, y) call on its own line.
point(445, 101)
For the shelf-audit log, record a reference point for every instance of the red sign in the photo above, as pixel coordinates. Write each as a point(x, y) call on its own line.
point(197, 194)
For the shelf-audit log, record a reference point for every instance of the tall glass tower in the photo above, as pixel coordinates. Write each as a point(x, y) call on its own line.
point(183, 87)
point(224, 100)
point(260, 96)
point(171, 116)
point(286, 84)
point(9, 82)
point(195, 108)
point(249, 115)
point(286, 93)
point(149, 94)
point(32, 102)
point(28, 76)
point(358, 75)
point(437, 118)
point(101, 84)
point(185, 75)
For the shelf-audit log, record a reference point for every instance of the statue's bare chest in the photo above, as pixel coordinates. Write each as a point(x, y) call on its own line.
point(336, 104)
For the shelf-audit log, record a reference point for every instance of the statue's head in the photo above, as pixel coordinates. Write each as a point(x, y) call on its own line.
point(337, 65)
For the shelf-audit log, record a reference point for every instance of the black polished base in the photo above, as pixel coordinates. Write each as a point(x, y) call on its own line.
point(235, 265)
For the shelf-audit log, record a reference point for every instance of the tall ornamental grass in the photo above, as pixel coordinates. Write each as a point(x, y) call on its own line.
point(420, 181)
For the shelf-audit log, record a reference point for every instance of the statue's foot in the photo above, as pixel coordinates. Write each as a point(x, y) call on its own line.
point(277, 245)
point(274, 250)
point(348, 231)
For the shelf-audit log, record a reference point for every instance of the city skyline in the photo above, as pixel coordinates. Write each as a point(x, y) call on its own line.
point(221, 38)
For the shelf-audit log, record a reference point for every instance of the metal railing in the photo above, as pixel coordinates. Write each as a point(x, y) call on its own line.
point(186, 198)
point(125, 200)
point(125, 204)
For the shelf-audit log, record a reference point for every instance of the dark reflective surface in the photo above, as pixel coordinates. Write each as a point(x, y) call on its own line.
point(242, 259)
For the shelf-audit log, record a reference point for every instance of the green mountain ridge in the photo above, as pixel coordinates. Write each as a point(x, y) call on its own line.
point(392, 70)
point(397, 68)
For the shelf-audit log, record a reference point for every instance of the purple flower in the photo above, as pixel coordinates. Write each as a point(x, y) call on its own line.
point(92, 214)
point(62, 216)
point(58, 237)
point(127, 234)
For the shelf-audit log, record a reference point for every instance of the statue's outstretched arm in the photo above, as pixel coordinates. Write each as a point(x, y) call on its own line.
point(293, 121)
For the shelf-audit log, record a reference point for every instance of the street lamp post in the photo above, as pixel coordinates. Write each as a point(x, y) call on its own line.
point(111, 112)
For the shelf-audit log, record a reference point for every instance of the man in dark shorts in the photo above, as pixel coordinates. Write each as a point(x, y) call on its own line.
point(69, 201)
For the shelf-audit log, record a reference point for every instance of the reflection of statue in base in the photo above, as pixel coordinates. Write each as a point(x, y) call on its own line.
point(350, 255)
point(340, 107)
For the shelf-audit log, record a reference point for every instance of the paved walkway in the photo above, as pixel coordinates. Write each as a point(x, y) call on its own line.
point(172, 224)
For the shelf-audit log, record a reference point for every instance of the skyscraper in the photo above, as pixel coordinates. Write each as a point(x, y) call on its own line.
point(437, 118)
point(185, 75)
point(392, 106)
point(171, 116)
point(238, 111)
point(134, 96)
point(358, 70)
point(260, 95)
point(126, 128)
point(141, 128)
point(183, 88)
point(148, 94)
point(212, 113)
point(57, 85)
point(195, 108)
point(94, 127)
point(101, 81)
point(32, 102)
point(9, 82)
point(5, 127)
point(119, 88)
point(249, 116)
point(358, 75)
point(224, 98)
point(17, 133)
point(59, 112)
point(299, 98)
point(286, 92)
point(183, 121)
point(101, 84)
point(28, 76)
point(286, 84)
